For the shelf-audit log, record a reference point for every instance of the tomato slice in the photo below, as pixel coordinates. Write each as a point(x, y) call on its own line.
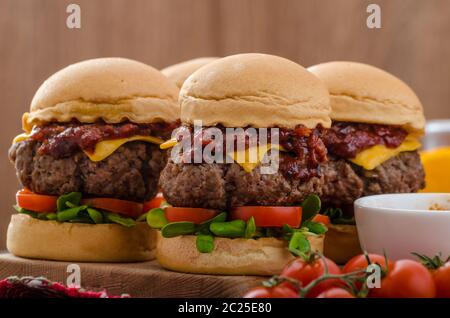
point(153, 203)
point(325, 220)
point(196, 215)
point(126, 208)
point(269, 216)
point(36, 202)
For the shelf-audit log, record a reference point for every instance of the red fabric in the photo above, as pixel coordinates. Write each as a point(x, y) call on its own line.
point(40, 287)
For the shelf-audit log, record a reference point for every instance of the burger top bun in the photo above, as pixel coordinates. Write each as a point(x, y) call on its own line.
point(364, 93)
point(257, 90)
point(178, 73)
point(112, 89)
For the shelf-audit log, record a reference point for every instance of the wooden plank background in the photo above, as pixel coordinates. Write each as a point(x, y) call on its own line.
point(413, 43)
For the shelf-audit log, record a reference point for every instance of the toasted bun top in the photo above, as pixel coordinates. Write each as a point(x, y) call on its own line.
point(178, 73)
point(256, 90)
point(364, 93)
point(112, 89)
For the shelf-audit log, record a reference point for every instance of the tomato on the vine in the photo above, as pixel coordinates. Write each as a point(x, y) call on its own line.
point(307, 271)
point(359, 262)
point(278, 291)
point(406, 279)
point(335, 292)
point(403, 278)
point(441, 278)
point(440, 270)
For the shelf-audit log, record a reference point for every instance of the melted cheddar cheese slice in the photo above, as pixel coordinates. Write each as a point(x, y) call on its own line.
point(21, 137)
point(371, 158)
point(260, 153)
point(105, 148)
point(168, 144)
point(237, 155)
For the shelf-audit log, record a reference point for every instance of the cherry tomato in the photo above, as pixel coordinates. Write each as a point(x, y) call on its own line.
point(305, 272)
point(325, 220)
point(196, 215)
point(269, 216)
point(335, 292)
point(127, 208)
point(406, 279)
point(36, 202)
point(153, 203)
point(271, 292)
point(441, 278)
point(359, 262)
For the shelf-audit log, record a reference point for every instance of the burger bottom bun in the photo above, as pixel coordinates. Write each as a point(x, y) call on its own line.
point(264, 256)
point(341, 243)
point(77, 242)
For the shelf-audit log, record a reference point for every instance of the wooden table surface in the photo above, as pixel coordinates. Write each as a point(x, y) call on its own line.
point(35, 42)
point(145, 279)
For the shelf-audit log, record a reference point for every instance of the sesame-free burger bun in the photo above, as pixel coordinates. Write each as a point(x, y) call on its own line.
point(341, 243)
point(257, 90)
point(239, 256)
point(77, 242)
point(366, 94)
point(111, 89)
point(178, 73)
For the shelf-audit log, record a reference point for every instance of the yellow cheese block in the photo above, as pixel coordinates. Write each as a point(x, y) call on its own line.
point(105, 148)
point(371, 158)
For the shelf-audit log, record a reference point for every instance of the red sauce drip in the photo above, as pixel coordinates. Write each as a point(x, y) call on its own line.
point(64, 140)
point(304, 149)
point(346, 140)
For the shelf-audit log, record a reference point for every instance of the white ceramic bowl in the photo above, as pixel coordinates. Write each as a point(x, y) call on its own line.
point(403, 223)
